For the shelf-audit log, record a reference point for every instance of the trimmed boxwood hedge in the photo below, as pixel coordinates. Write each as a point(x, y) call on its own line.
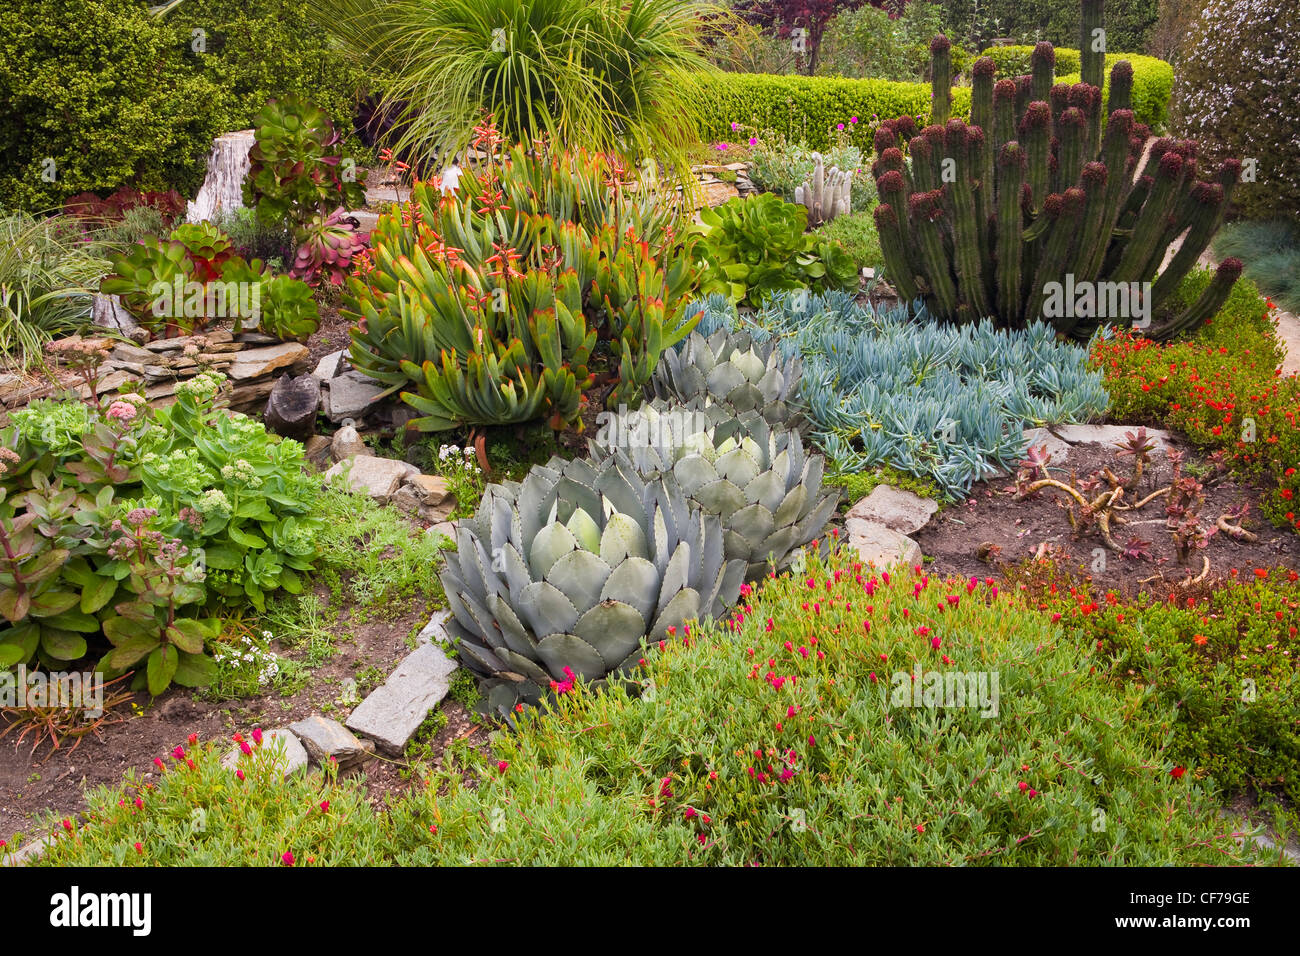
point(809, 108)
point(1153, 78)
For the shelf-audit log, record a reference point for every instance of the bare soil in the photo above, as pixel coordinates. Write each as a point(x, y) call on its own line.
point(55, 780)
point(995, 528)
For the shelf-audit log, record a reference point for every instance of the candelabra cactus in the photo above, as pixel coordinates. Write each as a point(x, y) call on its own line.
point(1032, 211)
point(826, 194)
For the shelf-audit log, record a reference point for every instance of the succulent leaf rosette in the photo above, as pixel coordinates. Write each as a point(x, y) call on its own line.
point(733, 369)
point(574, 568)
point(762, 484)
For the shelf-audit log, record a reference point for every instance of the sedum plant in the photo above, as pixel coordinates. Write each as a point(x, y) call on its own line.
point(757, 479)
point(566, 575)
point(753, 247)
point(1031, 210)
point(120, 524)
point(494, 301)
point(731, 369)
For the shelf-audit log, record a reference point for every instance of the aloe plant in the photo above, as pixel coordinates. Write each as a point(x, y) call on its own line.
point(571, 570)
point(490, 300)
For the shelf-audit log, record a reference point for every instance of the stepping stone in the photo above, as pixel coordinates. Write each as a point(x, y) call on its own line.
point(898, 510)
point(325, 738)
point(435, 631)
point(879, 545)
point(293, 759)
point(1056, 447)
point(394, 711)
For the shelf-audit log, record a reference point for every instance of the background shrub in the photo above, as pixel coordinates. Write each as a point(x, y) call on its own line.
point(1238, 93)
point(115, 95)
point(1153, 79)
point(973, 23)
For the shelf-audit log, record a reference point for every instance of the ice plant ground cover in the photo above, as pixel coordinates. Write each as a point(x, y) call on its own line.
point(809, 756)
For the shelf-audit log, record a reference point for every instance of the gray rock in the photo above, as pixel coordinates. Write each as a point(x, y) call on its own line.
point(26, 853)
point(325, 738)
point(391, 715)
point(1058, 449)
point(8, 380)
point(293, 759)
point(377, 477)
point(405, 499)
point(1109, 434)
point(899, 510)
point(330, 367)
point(350, 395)
point(291, 409)
point(346, 443)
point(880, 545)
point(435, 632)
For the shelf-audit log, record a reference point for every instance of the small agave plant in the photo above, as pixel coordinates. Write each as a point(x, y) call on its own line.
point(732, 369)
point(574, 568)
point(757, 479)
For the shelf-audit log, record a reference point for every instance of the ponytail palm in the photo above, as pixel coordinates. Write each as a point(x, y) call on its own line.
point(613, 76)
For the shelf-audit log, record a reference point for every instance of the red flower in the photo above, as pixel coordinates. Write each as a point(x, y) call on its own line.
point(257, 736)
point(193, 739)
point(287, 858)
point(501, 766)
point(139, 848)
point(324, 806)
point(1177, 773)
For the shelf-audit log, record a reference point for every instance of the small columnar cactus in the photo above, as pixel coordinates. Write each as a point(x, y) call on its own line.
point(826, 193)
point(567, 573)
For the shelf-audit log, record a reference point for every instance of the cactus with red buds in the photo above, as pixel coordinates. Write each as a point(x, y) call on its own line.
point(1033, 194)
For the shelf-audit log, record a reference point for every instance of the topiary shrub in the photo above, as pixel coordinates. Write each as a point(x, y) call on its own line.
point(1238, 92)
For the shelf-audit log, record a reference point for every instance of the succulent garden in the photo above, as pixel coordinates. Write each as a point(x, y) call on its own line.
point(487, 431)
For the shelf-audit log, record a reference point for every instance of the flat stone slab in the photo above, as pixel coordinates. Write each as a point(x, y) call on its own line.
point(329, 367)
point(1110, 434)
point(876, 544)
point(435, 632)
point(898, 510)
point(377, 477)
point(26, 854)
point(293, 760)
point(1056, 447)
point(394, 711)
point(350, 395)
point(254, 363)
point(325, 738)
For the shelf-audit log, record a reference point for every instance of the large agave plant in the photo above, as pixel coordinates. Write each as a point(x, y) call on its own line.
point(574, 568)
point(757, 479)
point(733, 369)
